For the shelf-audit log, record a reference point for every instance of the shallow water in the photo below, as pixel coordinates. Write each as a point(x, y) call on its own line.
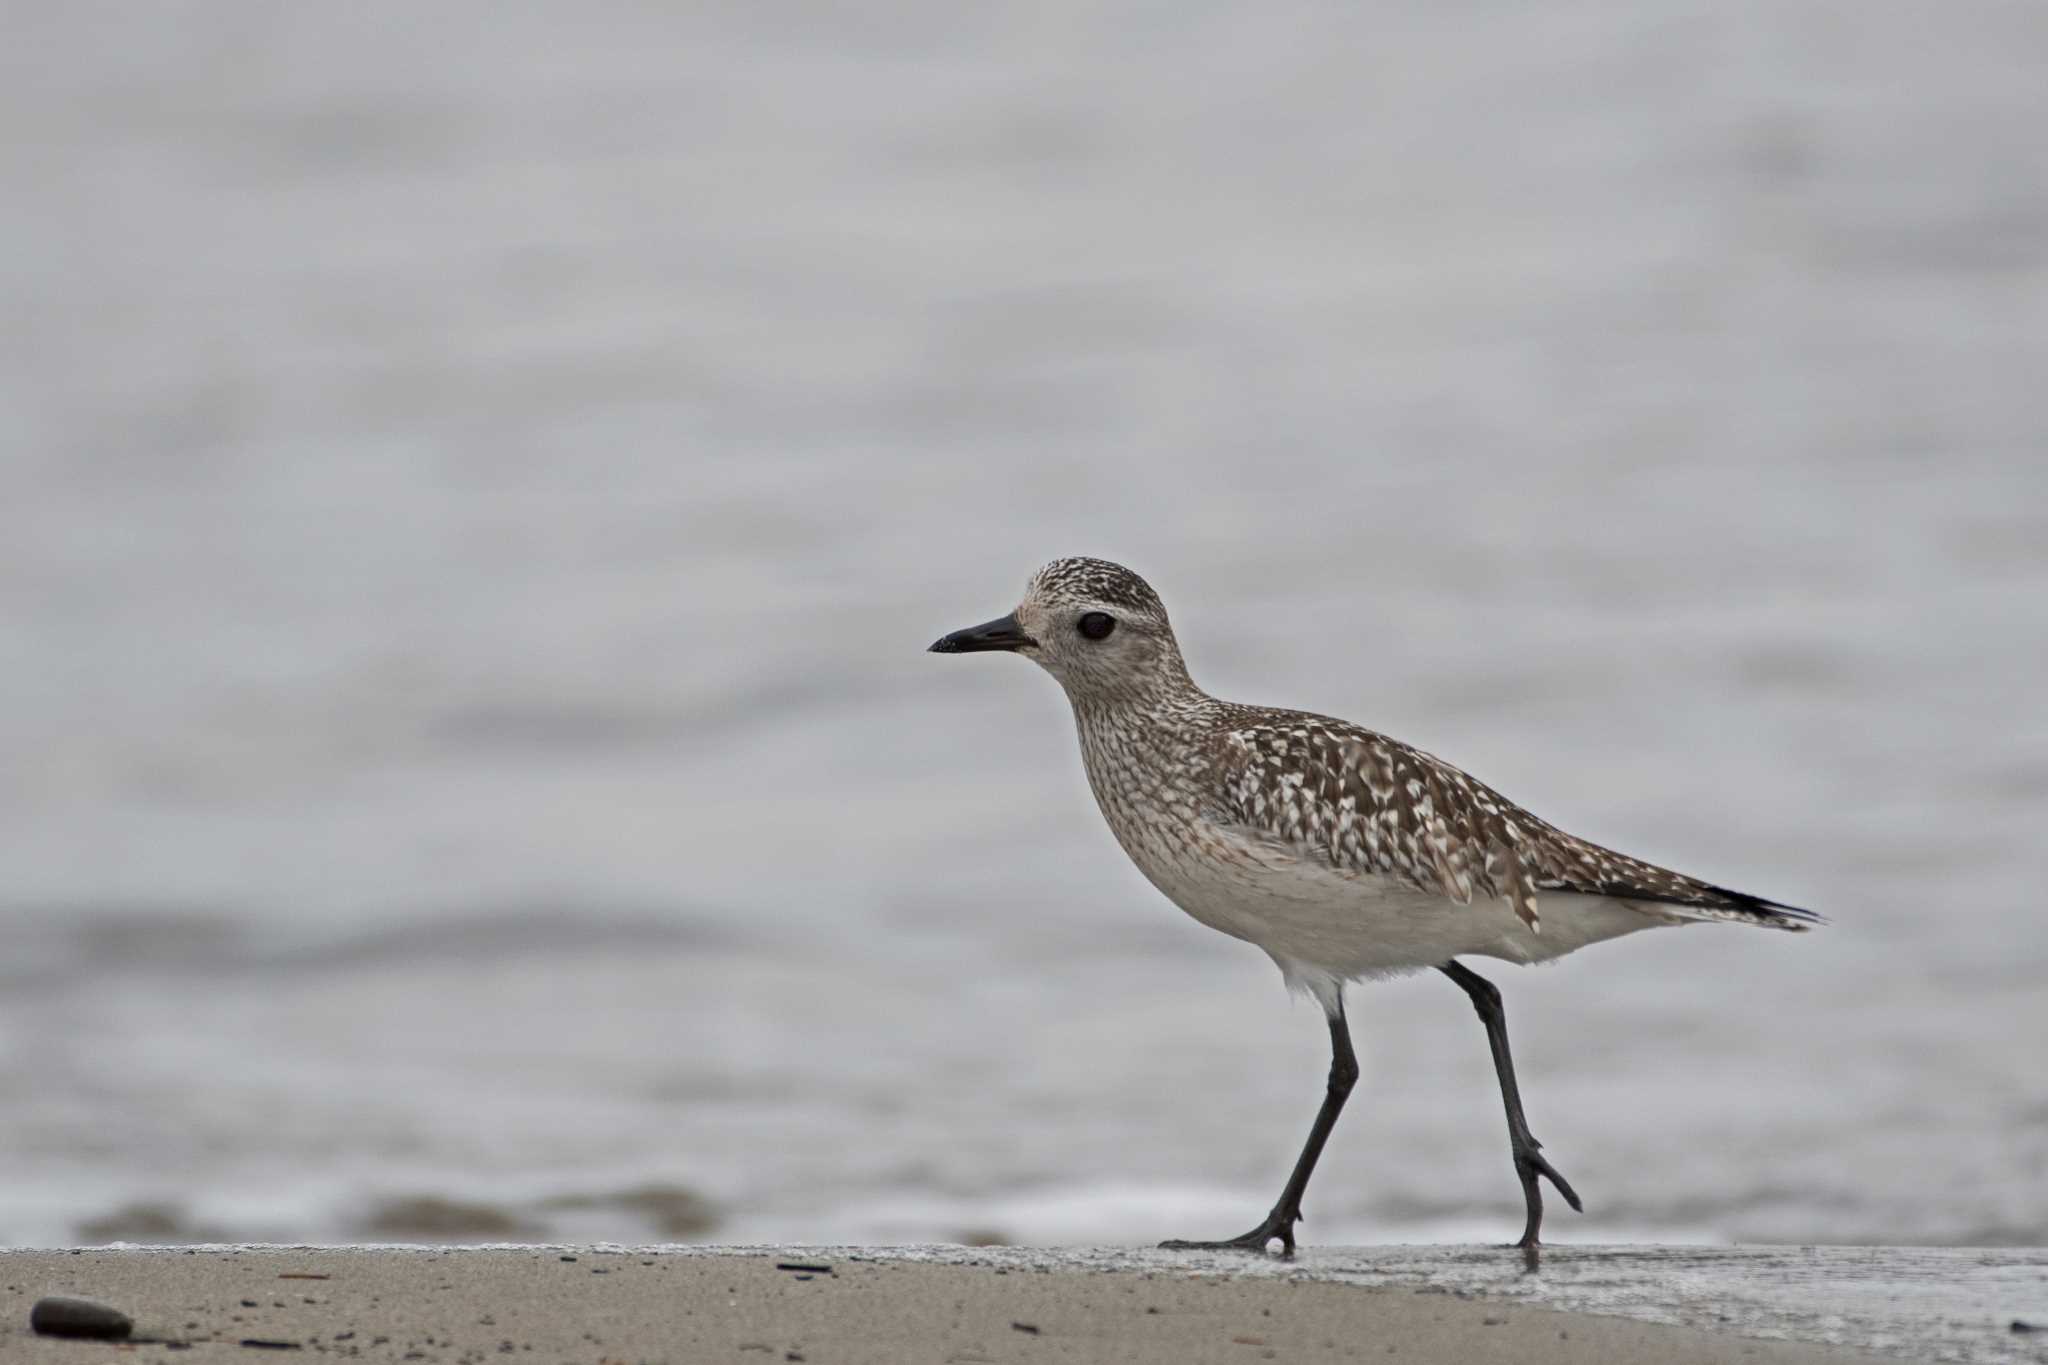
point(477, 488)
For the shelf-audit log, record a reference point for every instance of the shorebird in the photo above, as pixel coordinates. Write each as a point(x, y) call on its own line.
point(1345, 854)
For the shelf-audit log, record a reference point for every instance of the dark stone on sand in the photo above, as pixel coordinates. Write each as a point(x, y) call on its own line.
point(61, 1316)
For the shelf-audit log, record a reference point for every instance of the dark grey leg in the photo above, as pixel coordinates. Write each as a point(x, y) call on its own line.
point(1280, 1222)
point(1529, 1161)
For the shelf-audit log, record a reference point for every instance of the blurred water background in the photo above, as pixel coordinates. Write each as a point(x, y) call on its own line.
point(476, 483)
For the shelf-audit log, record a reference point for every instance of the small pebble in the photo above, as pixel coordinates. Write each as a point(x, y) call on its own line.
point(60, 1316)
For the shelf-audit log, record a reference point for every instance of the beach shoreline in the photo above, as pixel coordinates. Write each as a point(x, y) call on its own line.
point(610, 1305)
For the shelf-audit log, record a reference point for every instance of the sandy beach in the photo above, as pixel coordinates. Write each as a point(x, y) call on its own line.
point(602, 1305)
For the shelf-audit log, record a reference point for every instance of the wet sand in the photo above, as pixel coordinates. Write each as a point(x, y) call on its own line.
point(469, 1305)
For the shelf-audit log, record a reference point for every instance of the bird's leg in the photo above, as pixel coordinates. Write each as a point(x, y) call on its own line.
point(1529, 1160)
point(1280, 1222)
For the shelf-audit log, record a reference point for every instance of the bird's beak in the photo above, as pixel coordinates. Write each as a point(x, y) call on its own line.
point(1002, 633)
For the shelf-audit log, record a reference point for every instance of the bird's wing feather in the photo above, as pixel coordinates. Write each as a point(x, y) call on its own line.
point(1369, 804)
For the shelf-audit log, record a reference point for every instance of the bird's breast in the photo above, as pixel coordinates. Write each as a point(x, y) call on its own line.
point(1161, 809)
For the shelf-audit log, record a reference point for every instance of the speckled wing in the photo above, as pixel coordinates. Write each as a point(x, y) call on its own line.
point(1369, 804)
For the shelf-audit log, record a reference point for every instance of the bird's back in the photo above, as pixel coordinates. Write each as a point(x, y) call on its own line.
point(1359, 800)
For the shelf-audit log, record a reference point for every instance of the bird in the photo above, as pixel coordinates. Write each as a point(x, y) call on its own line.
point(1343, 853)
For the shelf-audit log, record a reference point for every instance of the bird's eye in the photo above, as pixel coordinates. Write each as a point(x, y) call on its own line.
point(1096, 625)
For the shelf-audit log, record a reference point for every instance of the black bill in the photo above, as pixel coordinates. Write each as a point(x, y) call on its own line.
point(1003, 633)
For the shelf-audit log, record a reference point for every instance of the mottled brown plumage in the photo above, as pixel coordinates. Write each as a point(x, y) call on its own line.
point(1370, 804)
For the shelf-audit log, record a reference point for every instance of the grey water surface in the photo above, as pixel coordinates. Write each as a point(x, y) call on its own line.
point(476, 483)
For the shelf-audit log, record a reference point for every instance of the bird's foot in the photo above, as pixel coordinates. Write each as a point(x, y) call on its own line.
point(1278, 1224)
point(1530, 1163)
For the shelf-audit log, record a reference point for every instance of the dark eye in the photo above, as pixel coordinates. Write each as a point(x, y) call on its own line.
point(1096, 625)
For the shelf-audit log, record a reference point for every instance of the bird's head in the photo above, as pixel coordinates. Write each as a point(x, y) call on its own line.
point(1094, 625)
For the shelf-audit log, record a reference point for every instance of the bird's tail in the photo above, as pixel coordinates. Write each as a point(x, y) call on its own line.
point(1739, 907)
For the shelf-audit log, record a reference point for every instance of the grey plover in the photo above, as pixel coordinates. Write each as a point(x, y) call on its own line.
point(1343, 853)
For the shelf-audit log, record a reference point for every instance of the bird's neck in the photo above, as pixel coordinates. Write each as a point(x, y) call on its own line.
point(1162, 702)
point(1141, 752)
